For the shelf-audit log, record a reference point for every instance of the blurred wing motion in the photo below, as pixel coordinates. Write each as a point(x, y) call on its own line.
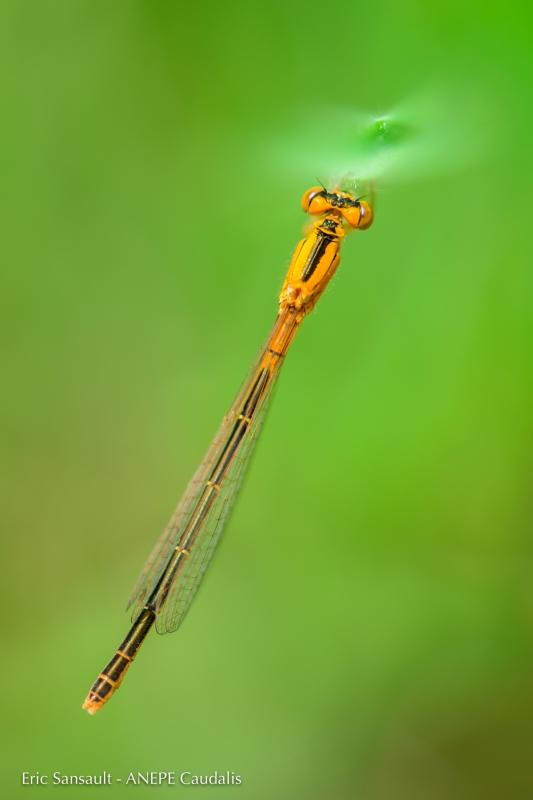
point(174, 570)
point(441, 130)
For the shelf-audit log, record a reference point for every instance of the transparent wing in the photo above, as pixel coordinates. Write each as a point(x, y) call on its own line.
point(159, 558)
point(187, 581)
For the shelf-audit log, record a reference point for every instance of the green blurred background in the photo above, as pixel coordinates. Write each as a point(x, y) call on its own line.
point(365, 630)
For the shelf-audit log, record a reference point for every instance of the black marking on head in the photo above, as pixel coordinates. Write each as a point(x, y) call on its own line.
point(339, 201)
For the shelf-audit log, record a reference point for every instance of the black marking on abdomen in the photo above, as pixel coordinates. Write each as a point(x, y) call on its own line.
point(101, 687)
point(240, 428)
point(116, 667)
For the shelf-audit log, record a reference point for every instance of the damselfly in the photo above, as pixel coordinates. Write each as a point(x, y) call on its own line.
point(174, 570)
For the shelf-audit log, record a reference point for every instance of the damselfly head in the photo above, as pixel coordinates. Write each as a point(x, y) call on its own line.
point(358, 213)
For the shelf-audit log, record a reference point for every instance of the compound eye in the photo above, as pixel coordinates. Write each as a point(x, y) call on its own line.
point(367, 215)
point(314, 201)
point(359, 216)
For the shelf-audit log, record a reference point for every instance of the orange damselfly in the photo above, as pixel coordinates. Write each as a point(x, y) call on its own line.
point(174, 570)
